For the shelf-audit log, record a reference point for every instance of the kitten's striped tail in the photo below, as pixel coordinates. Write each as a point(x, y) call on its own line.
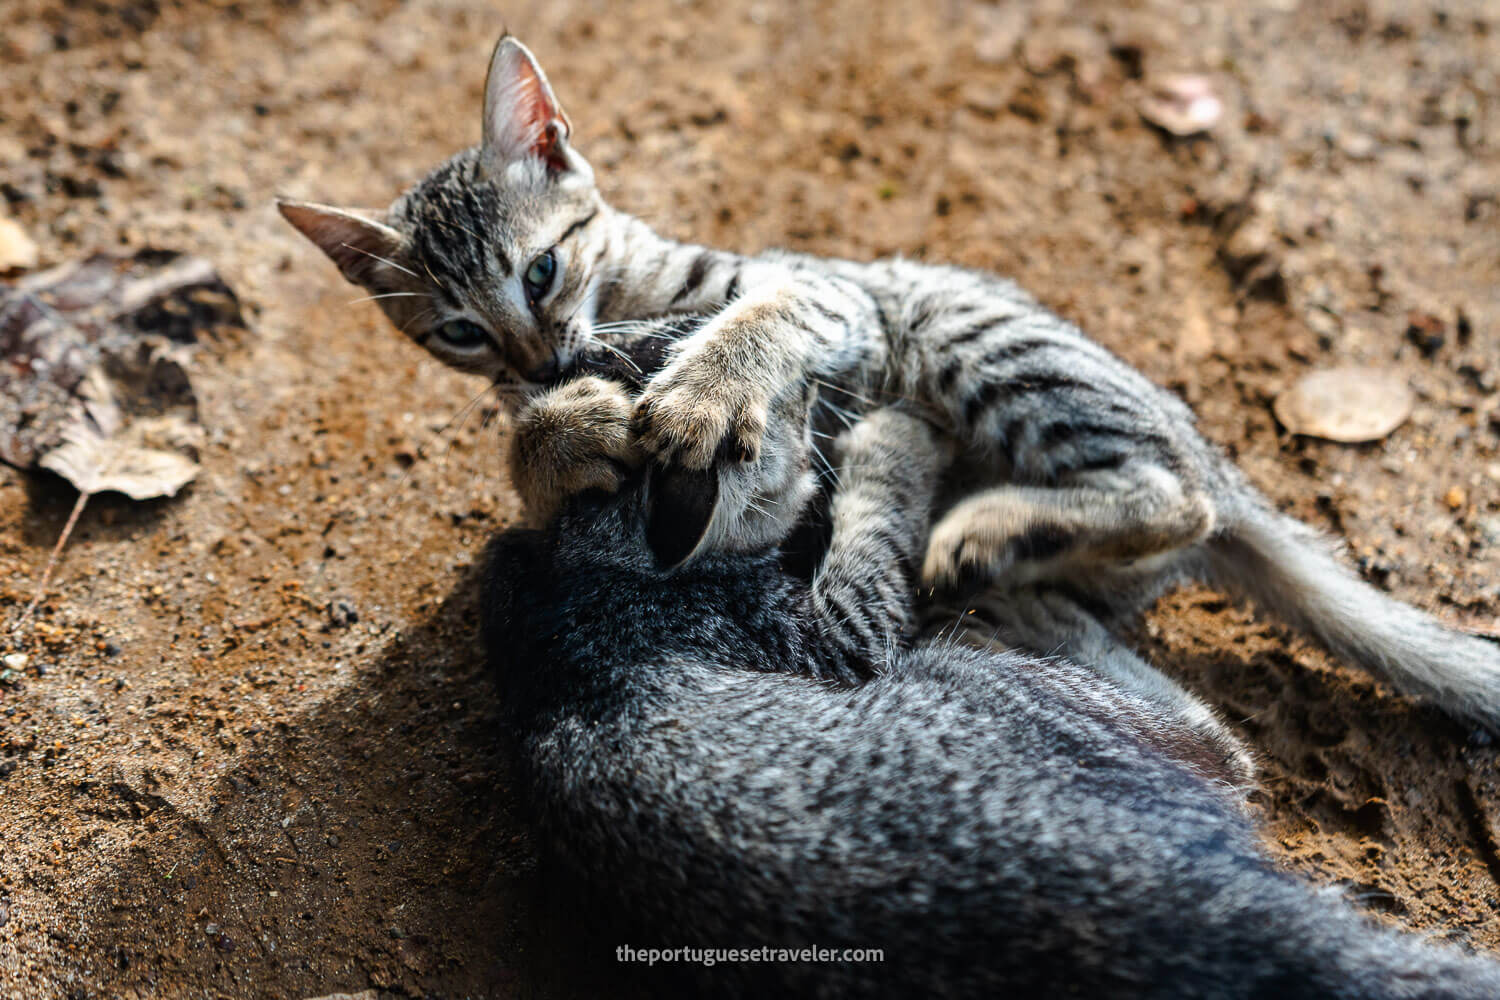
point(1286, 566)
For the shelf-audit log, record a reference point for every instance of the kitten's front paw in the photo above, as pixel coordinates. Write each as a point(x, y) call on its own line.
point(571, 439)
point(693, 414)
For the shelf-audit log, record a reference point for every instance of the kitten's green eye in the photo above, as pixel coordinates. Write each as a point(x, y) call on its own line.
point(539, 274)
point(462, 334)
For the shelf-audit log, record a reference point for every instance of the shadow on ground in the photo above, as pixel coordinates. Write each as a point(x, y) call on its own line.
point(388, 804)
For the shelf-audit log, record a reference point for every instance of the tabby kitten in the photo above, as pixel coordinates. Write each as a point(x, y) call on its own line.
point(505, 261)
point(719, 756)
point(575, 437)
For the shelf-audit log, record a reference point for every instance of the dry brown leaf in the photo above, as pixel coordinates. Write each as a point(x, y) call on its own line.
point(1350, 405)
point(93, 383)
point(126, 464)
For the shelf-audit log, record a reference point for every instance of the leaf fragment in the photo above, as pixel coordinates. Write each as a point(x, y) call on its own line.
point(1350, 405)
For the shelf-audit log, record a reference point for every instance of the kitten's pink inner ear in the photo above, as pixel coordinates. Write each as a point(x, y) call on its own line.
point(356, 244)
point(521, 114)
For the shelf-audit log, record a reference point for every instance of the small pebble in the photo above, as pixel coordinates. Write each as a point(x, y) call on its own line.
point(342, 614)
point(1351, 405)
point(1489, 530)
point(1182, 104)
point(1426, 332)
point(1455, 498)
point(1357, 146)
point(16, 661)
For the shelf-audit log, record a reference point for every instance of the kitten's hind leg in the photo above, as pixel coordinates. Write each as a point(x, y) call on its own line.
point(1015, 534)
point(1091, 463)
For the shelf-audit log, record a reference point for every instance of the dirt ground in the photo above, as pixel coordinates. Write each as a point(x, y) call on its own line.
point(211, 786)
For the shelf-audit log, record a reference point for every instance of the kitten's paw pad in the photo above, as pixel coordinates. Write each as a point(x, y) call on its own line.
point(680, 422)
point(571, 439)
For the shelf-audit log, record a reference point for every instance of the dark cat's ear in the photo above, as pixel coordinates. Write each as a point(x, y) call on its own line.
point(356, 244)
point(521, 115)
point(680, 505)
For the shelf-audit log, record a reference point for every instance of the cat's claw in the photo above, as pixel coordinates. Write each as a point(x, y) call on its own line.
point(696, 422)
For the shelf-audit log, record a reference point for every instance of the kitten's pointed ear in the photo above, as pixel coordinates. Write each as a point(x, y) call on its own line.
point(521, 115)
point(681, 505)
point(356, 244)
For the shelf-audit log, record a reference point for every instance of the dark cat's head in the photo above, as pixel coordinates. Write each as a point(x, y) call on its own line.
point(487, 261)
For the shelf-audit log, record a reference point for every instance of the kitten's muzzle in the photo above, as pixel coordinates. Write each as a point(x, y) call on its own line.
point(546, 373)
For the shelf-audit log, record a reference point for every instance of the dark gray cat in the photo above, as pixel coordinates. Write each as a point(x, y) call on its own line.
point(722, 756)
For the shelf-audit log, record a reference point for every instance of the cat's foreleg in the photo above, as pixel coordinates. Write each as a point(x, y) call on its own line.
point(863, 592)
point(713, 399)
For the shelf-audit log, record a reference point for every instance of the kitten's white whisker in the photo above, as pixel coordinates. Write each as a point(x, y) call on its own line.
point(845, 417)
point(849, 392)
point(757, 508)
point(391, 295)
point(462, 229)
point(383, 260)
point(621, 355)
point(461, 417)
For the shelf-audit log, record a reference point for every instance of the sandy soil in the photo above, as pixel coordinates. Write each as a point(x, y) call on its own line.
point(212, 786)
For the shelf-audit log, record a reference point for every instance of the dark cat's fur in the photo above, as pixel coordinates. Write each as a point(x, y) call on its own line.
point(720, 756)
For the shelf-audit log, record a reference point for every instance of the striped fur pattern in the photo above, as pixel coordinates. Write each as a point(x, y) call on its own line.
point(574, 439)
point(1083, 472)
point(719, 756)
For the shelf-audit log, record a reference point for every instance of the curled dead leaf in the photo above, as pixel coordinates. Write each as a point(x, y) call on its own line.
point(1349, 405)
point(150, 456)
point(1183, 104)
